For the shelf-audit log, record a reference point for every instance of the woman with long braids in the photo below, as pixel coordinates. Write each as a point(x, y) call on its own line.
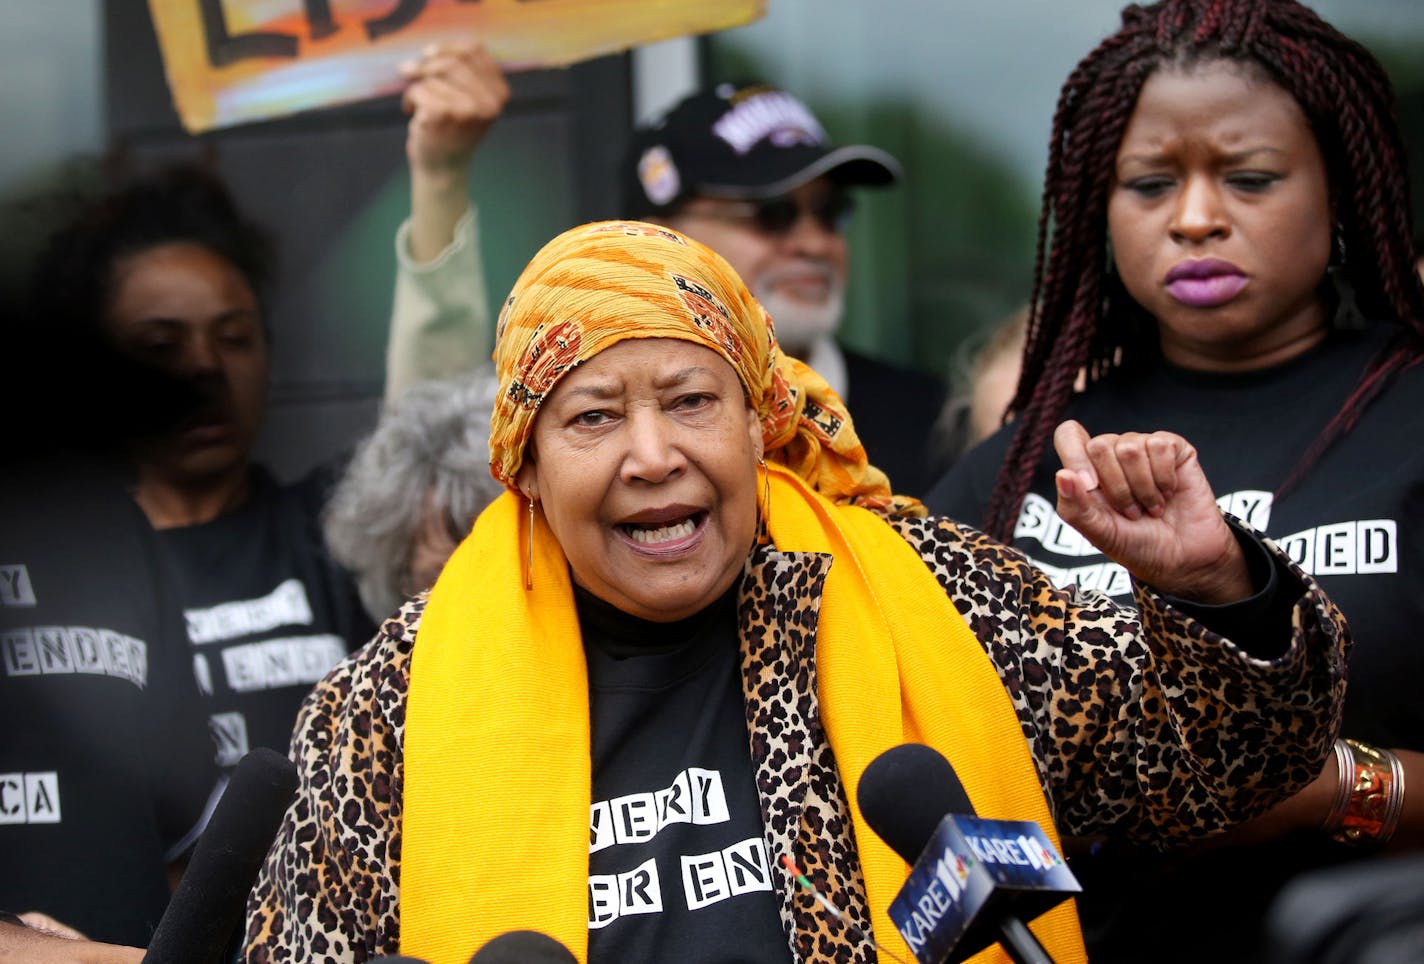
point(1225, 252)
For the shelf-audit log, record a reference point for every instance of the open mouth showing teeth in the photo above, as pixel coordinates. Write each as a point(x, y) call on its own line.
point(655, 533)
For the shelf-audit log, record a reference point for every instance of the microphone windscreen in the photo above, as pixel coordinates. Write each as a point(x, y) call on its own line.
point(211, 899)
point(523, 947)
point(905, 793)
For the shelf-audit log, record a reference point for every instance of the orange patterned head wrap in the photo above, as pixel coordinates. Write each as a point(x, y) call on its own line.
point(595, 285)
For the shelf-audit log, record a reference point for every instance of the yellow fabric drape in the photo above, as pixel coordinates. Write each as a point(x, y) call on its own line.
point(497, 783)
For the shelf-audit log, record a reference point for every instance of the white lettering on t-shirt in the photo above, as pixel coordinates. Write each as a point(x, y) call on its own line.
point(288, 661)
point(704, 880)
point(68, 650)
point(611, 896)
point(1039, 521)
point(202, 674)
point(1251, 506)
point(600, 827)
point(229, 732)
point(287, 605)
point(709, 803)
point(1366, 547)
point(29, 798)
point(1376, 548)
point(602, 900)
point(695, 796)
point(1363, 547)
point(635, 818)
point(675, 802)
point(713, 877)
point(15, 587)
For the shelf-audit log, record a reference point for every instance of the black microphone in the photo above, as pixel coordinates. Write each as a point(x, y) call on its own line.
point(523, 947)
point(210, 901)
point(972, 881)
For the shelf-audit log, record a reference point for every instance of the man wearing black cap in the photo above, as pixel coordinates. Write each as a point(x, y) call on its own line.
point(749, 172)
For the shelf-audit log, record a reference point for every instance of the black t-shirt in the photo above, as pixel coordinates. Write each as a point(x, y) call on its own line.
point(267, 612)
point(1353, 522)
point(679, 867)
point(105, 765)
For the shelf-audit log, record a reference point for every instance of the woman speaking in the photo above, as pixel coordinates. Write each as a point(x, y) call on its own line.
point(664, 657)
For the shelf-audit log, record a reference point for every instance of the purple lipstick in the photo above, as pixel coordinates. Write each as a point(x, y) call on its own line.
point(1206, 283)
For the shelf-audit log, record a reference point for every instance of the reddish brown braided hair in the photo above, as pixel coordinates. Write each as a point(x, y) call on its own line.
point(1081, 318)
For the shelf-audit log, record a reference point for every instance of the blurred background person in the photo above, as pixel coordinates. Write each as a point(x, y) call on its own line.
point(106, 767)
point(413, 489)
point(749, 171)
point(174, 276)
point(982, 383)
point(1231, 256)
point(171, 274)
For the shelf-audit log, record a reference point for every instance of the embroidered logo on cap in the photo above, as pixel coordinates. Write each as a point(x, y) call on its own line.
point(658, 174)
point(775, 116)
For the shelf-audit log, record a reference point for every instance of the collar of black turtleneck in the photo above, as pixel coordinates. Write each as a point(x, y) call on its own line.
point(620, 634)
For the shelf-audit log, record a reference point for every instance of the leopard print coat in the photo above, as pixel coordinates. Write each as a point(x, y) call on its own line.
point(1144, 724)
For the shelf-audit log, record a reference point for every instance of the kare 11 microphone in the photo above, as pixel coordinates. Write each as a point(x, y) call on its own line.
point(972, 881)
point(210, 901)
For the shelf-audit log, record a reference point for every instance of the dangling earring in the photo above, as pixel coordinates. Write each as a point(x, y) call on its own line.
point(529, 551)
point(764, 516)
point(1348, 316)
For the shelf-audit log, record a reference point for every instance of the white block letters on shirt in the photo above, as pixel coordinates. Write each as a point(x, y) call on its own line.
point(29, 798)
point(695, 796)
point(1362, 547)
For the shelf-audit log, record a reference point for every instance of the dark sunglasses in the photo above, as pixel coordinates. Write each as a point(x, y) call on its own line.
point(778, 215)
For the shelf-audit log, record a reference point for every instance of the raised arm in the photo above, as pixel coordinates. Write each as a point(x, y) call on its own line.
point(1215, 699)
point(440, 315)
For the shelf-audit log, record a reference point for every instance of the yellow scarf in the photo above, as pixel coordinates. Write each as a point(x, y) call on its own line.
point(497, 784)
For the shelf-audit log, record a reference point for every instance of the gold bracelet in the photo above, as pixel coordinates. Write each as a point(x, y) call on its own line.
point(1344, 783)
point(1376, 795)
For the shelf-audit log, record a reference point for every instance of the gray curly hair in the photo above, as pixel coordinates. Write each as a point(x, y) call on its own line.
point(430, 449)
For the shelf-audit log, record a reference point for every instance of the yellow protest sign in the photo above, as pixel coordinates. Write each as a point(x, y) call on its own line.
point(231, 61)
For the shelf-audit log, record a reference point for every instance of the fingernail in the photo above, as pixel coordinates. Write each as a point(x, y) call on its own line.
point(1133, 512)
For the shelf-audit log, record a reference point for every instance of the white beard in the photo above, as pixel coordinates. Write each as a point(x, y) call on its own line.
point(799, 324)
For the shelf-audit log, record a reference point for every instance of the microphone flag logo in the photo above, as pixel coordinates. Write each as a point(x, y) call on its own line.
point(969, 864)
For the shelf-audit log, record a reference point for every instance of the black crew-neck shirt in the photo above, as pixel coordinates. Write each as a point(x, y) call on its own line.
point(678, 862)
